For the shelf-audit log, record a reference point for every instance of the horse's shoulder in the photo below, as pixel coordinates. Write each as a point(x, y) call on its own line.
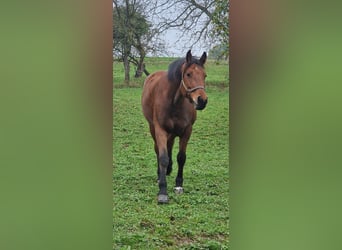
point(156, 78)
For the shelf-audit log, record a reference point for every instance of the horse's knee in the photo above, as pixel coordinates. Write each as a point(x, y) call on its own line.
point(181, 157)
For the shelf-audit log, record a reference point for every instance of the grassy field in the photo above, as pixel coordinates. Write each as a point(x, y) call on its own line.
point(197, 219)
point(217, 71)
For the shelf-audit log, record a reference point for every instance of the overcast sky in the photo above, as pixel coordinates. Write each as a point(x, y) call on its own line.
point(179, 49)
point(177, 44)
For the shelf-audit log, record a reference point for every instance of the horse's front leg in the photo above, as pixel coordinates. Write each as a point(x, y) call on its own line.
point(163, 162)
point(181, 158)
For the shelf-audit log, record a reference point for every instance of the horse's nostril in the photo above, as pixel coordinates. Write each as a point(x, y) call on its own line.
point(200, 101)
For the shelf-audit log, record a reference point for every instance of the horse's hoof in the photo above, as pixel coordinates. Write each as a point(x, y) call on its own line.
point(163, 199)
point(179, 190)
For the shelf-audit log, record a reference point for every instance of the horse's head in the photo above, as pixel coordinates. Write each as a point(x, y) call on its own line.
point(193, 80)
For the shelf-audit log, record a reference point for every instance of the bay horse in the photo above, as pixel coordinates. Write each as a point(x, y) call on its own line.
point(169, 103)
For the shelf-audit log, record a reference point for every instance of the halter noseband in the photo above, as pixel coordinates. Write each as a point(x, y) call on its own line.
point(188, 91)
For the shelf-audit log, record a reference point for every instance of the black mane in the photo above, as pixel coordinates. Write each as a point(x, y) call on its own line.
point(174, 73)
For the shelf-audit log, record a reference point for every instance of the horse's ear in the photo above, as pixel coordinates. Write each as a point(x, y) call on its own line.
point(203, 58)
point(188, 57)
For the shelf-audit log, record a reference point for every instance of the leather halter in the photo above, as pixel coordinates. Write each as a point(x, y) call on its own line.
point(188, 91)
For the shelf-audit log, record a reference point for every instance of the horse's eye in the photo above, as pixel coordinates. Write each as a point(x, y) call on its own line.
point(188, 74)
point(205, 76)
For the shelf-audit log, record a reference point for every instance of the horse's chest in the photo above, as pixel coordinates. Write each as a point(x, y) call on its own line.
point(177, 124)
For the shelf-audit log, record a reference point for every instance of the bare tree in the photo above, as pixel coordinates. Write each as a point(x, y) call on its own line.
point(202, 20)
point(139, 23)
point(133, 35)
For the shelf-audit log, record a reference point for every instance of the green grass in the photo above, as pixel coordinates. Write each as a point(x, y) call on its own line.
point(197, 219)
point(217, 71)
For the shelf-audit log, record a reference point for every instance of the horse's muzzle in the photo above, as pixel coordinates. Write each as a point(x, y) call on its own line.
point(201, 103)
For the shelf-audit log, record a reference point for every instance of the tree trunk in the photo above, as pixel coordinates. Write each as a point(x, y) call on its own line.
point(127, 69)
point(145, 71)
point(141, 65)
point(141, 68)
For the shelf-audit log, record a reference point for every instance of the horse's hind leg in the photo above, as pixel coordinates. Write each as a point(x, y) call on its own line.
point(170, 142)
point(157, 155)
point(181, 158)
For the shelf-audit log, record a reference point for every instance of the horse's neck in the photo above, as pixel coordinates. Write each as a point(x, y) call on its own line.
point(177, 96)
